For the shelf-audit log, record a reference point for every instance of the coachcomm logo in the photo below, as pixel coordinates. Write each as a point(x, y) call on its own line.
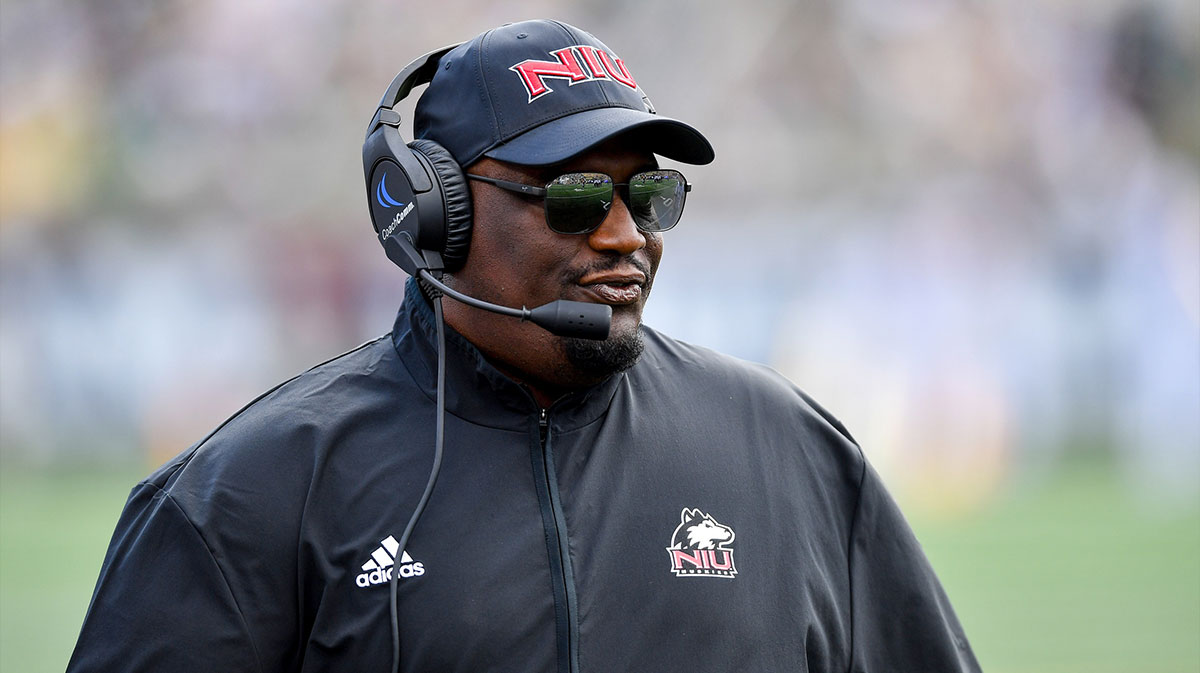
point(701, 547)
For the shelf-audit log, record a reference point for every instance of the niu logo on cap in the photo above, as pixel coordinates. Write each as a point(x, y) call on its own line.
point(701, 547)
point(580, 63)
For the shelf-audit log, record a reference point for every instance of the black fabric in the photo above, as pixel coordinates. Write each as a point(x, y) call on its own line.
point(247, 552)
point(456, 196)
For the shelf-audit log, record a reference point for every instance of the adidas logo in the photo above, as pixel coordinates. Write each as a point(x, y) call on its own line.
point(383, 563)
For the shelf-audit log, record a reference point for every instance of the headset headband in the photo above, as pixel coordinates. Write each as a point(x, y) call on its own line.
point(414, 74)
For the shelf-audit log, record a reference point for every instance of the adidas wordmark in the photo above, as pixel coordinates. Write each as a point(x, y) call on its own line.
point(379, 569)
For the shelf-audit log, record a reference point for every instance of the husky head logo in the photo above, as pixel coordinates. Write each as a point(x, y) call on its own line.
point(698, 530)
point(701, 547)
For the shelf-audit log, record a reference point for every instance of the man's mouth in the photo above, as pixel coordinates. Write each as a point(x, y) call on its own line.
point(614, 288)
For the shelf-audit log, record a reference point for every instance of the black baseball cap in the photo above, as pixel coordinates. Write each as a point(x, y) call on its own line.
point(541, 92)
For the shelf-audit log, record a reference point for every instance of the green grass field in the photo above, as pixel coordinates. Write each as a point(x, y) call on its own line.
point(1075, 576)
point(1071, 576)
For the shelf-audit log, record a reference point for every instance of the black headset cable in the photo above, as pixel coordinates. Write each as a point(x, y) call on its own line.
point(433, 473)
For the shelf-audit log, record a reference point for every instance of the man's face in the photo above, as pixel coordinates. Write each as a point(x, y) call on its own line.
point(516, 260)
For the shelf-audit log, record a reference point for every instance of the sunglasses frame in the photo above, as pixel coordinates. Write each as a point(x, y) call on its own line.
point(541, 193)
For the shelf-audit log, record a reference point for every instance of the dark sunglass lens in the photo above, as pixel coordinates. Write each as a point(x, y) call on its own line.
point(577, 203)
point(656, 199)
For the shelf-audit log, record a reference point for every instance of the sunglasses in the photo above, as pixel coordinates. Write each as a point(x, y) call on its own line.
point(577, 203)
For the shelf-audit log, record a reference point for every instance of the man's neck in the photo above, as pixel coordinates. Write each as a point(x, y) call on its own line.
point(543, 394)
point(521, 351)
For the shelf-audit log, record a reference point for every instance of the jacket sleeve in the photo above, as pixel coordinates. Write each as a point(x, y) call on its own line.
point(901, 617)
point(162, 602)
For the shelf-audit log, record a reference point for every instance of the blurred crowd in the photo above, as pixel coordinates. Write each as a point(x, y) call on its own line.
point(971, 230)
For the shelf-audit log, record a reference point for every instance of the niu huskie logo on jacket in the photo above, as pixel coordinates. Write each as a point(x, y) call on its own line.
point(701, 547)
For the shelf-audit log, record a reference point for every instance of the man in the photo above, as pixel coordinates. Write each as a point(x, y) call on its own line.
point(626, 504)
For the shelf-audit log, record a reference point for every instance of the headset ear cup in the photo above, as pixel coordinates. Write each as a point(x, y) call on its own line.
point(457, 198)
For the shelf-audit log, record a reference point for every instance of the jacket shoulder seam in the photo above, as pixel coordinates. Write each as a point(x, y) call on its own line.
point(277, 386)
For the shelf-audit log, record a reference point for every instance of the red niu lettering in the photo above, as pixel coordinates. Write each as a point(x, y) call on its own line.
point(704, 559)
point(593, 61)
point(618, 70)
point(532, 71)
point(600, 66)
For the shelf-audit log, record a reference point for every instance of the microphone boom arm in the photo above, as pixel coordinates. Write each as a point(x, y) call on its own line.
point(561, 317)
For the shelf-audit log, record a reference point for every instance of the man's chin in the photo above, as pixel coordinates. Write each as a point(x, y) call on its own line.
point(600, 359)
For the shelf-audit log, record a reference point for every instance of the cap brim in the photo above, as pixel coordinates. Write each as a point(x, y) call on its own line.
point(566, 137)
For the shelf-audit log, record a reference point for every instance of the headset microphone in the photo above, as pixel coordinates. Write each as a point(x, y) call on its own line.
point(562, 317)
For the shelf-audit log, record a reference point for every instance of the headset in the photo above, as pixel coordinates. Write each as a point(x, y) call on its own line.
point(415, 191)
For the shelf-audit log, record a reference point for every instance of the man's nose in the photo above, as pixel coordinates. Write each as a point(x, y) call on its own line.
point(617, 232)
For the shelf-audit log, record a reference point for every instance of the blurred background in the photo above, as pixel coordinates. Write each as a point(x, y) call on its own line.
point(970, 229)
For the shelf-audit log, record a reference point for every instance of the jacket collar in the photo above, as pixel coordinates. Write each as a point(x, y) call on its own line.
point(475, 390)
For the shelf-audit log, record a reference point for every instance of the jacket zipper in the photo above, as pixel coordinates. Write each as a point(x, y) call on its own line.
point(562, 575)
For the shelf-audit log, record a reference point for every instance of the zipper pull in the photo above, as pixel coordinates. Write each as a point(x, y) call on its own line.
point(544, 426)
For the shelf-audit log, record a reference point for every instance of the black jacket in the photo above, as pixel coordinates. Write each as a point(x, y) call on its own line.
point(695, 513)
